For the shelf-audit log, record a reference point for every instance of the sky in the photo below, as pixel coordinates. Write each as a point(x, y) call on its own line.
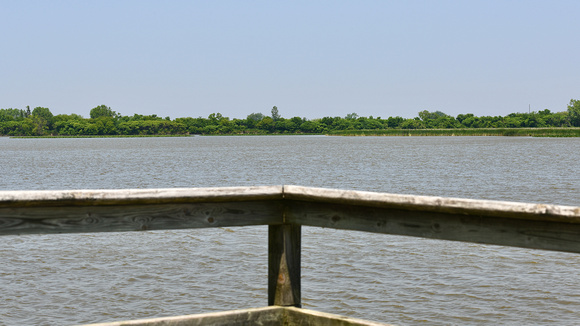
point(311, 59)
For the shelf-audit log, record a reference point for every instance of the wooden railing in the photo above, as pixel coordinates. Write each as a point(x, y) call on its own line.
point(285, 209)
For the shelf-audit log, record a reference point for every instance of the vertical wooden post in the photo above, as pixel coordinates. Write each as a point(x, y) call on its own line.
point(284, 245)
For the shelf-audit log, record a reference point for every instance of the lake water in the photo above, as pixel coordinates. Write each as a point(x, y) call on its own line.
point(83, 278)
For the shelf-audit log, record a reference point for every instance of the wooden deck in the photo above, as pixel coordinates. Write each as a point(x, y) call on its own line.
point(285, 209)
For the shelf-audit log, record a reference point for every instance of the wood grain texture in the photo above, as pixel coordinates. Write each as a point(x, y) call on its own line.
point(537, 234)
point(284, 248)
point(542, 212)
point(79, 219)
point(303, 317)
point(136, 196)
point(267, 316)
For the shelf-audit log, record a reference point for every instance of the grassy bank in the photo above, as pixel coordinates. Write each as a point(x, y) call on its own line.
point(101, 136)
point(522, 132)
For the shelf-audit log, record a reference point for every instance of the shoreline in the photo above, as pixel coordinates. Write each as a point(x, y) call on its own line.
point(506, 132)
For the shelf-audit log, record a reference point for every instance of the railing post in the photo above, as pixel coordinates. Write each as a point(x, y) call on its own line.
point(284, 243)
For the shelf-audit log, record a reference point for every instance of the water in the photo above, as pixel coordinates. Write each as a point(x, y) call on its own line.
point(83, 278)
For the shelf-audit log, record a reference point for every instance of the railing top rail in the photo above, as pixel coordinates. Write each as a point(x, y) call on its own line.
point(570, 214)
point(539, 226)
point(96, 197)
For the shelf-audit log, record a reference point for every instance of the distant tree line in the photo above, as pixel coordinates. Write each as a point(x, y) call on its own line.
point(104, 121)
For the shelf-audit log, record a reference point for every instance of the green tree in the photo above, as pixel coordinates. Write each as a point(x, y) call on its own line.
point(253, 119)
point(105, 126)
point(24, 127)
point(311, 126)
point(215, 118)
point(255, 116)
point(42, 113)
point(192, 125)
point(103, 111)
point(12, 114)
point(266, 124)
point(286, 125)
point(394, 122)
point(574, 112)
point(558, 119)
point(42, 118)
point(425, 115)
point(351, 116)
point(67, 117)
point(412, 124)
point(436, 119)
point(275, 114)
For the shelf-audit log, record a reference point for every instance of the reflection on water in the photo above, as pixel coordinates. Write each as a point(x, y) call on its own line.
point(82, 278)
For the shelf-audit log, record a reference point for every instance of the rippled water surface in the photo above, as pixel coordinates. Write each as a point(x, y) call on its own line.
point(81, 278)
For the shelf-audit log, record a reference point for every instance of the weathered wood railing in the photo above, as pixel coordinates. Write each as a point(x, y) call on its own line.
point(285, 209)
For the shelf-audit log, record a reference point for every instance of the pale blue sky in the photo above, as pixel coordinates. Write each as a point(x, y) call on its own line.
point(310, 58)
